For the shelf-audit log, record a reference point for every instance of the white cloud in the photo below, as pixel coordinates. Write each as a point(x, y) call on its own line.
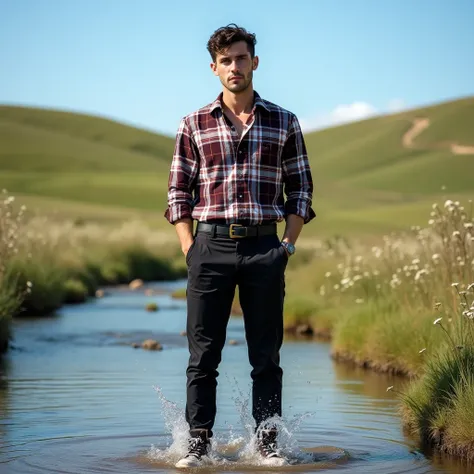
point(396, 105)
point(346, 113)
point(352, 112)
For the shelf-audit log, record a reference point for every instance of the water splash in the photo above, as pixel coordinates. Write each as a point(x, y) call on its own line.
point(232, 446)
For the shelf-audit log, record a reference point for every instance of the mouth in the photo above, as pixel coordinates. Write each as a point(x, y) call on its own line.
point(235, 78)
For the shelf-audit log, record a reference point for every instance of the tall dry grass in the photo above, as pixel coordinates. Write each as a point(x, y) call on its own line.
point(407, 306)
point(11, 294)
point(44, 263)
point(387, 295)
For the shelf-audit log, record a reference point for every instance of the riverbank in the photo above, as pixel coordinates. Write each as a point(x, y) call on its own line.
point(405, 306)
point(44, 264)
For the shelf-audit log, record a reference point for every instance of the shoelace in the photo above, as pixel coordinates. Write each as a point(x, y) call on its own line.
point(197, 448)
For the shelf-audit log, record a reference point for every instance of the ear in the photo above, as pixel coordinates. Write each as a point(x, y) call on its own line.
point(255, 62)
point(214, 69)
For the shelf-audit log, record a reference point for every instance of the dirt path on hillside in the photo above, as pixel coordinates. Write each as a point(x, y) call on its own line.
point(421, 124)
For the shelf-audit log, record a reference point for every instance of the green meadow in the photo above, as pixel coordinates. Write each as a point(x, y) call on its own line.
point(390, 252)
point(366, 182)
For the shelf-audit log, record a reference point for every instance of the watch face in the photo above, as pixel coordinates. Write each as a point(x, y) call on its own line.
point(289, 247)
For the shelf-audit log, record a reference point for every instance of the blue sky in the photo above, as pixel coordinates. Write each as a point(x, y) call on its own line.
point(145, 62)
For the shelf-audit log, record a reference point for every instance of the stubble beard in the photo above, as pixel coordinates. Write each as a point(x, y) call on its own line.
point(239, 87)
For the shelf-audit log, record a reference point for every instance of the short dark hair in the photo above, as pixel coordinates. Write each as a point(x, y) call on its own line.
point(223, 37)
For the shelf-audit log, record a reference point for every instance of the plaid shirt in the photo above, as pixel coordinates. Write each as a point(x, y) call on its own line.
point(217, 176)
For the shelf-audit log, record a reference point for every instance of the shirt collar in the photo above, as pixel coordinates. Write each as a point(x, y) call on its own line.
point(258, 101)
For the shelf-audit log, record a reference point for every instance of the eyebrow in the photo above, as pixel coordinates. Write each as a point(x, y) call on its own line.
point(238, 56)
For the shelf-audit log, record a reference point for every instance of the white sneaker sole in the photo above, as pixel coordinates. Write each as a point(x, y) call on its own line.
point(188, 462)
point(274, 462)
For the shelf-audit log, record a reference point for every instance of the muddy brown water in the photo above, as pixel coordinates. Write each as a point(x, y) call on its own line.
point(75, 397)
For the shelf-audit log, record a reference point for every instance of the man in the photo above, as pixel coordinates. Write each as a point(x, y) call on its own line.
point(233, 160)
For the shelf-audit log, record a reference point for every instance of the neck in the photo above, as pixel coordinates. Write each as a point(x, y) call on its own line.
point(240, 103)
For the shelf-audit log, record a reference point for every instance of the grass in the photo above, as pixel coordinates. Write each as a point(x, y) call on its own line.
point(28, 133)
point(438, 406)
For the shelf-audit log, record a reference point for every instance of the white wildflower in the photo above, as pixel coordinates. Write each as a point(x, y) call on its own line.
point(454, 285)
point(437, 321)
point(422, 350)
point(419, 273)
point(327, 274)
point(448, 203)
point(359, 300)
point(431, 222)
point(456, 233)
point(389, 388)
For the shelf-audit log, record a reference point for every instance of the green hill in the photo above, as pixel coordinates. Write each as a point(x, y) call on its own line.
point(39, 139)
point(366, 180)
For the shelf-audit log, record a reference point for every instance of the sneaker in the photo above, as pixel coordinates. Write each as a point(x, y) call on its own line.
point(198, 447)
point(267, 448)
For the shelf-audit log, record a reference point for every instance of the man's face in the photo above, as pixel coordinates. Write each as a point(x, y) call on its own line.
point(235, 67)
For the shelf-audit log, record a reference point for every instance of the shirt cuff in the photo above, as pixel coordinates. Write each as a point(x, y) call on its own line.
point(300, 208)
point(176, 212)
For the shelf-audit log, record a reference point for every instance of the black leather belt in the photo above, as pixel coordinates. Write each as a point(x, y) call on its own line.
point(237, 231)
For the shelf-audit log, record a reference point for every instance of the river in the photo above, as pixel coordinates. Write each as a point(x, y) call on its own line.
point(76, 397)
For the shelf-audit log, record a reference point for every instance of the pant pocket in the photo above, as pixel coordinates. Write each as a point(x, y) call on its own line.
point(190, 251)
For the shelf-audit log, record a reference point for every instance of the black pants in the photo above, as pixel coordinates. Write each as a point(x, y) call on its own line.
point(215, 266)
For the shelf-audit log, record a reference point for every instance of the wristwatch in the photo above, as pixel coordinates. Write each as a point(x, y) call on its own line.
point(290, 248)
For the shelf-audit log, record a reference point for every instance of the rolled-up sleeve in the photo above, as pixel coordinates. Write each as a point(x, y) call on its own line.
point(183, 173)
point(298, 183)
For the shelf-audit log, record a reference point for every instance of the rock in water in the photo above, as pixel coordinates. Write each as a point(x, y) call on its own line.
point(304, 330)
point(152, 345)
point(135, 284)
